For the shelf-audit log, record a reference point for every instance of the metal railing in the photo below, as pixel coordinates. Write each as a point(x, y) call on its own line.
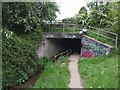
point(106, 32)
point(97, 32)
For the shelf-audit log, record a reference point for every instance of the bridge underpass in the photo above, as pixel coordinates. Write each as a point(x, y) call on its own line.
point(55, 43)
point(65, 44)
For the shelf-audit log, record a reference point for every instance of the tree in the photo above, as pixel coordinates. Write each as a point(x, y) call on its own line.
point(48, 11)
point(82, 16)
point(102, 14)
point(27, 16)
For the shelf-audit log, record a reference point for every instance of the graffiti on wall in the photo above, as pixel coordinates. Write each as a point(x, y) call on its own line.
point(91, 48)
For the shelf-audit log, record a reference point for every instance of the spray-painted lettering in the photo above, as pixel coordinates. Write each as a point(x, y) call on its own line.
point(91, 48)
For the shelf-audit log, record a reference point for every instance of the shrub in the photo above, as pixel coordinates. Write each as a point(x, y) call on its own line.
point(20, 60)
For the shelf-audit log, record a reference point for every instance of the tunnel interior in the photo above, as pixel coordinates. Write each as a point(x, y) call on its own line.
point(65, 44)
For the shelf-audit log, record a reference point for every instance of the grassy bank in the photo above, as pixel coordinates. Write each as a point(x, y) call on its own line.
point(102, 39)
point(55, 75)
point(99, 72)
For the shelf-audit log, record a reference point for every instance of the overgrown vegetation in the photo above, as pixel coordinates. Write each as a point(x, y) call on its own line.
point(22, 31)
point(100, 15)
point(55, 75)
point(99, 72)
point(20, 60)
point(23, 17)
point(23, 26)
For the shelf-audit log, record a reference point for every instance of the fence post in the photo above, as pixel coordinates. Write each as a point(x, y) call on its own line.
point(98, 34)
point(63, 27)
point(116, 40)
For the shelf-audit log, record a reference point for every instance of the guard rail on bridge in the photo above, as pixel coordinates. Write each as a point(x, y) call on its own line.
point(114, 39)
point(97, 31)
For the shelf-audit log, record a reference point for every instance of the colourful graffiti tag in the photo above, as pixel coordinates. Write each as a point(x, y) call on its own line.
point(87, 54)
point(91, 48)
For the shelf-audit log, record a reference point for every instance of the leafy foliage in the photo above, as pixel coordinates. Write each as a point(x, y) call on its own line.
point(103, 14)
point(48, 11)
point(17, 16)
point(22, 31)
point(27, 16)
point(99, 14)
point(20, 60)
point(82, 16)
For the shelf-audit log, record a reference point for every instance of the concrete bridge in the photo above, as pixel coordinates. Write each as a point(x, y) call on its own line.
point(54, 43)
point(62, 36)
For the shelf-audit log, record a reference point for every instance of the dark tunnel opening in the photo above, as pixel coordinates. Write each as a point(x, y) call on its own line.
point(65, 44)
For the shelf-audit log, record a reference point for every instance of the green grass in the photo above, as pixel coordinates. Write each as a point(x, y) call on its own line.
point(102, 39)
point(55, 75)
point(99, 72)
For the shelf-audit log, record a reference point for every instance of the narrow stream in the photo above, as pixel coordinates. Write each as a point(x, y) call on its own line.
point(28, 83)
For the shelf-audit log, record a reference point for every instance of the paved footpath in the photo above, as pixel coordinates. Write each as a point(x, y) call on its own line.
point(75, 81)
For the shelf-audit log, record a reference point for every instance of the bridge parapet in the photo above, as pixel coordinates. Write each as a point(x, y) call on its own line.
point(63, 35)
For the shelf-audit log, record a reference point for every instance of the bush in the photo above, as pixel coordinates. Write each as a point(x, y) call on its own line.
point(20, 60)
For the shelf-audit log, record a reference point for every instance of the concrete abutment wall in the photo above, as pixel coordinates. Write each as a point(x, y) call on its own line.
point(92, 47)
point(50, 47)
point(86, 46)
